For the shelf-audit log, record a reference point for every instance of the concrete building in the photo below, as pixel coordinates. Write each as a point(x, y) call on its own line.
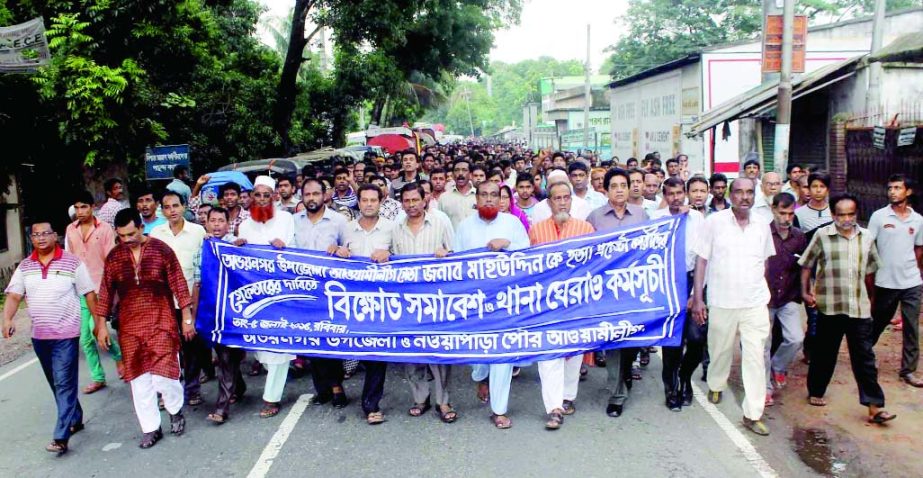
point(655, 109)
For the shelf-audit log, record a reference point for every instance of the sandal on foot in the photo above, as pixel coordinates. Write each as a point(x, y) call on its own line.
point(375, 418)
point(150, 439)
point(817, 401)
point(483, 391)
point(94, 387)
point(216, 418)
point(555, 419)
point(882, 417)
point(418, 409)
point(448, 415)
point(569, 408)
point(195, 401)
point(502, 422)
point(177, 423)
point(77, 427)
point(269, 410)
point(57, 446)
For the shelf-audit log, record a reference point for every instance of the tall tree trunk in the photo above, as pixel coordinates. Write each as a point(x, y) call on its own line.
point(377, 108)
point(288, 81)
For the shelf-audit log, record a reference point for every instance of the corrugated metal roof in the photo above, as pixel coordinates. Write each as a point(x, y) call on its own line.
point(908, 48)
point(764, 97)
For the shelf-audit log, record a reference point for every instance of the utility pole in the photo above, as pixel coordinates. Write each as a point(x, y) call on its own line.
point(587, 95)
point(770, 7)
point(784, 103)
point(323, 50)
point(873, 96)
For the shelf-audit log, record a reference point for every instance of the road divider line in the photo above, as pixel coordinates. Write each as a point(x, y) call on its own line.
point(264, 463)
point(18, 368)
point(749, 451)
point(733, 433)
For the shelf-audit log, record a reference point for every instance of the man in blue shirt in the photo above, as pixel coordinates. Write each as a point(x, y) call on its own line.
point(497, 232)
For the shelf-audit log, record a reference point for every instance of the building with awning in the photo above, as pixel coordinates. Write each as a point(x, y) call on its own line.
point(835, 93)
point(663, 108)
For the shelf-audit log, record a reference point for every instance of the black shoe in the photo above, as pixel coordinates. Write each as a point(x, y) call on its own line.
point(340, 400)
point(150, 439)
point(177, 423)
point(614, 410)
point(600, 359)
point(686, 393)
point(321, 399)
point(673, 403)
point(704, 372)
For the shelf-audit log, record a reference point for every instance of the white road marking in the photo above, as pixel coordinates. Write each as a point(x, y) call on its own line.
point(733, 433)
point(749, 451)
point(18, 368)
point(261, 468)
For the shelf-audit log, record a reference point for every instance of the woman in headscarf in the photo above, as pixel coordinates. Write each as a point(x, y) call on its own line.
point(508, 205)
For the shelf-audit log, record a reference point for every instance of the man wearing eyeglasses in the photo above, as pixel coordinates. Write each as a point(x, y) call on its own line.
point(497, 232)
point(52, 280)
point(458, 203)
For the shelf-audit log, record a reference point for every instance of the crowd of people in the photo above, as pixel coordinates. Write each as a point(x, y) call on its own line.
point(762, 252)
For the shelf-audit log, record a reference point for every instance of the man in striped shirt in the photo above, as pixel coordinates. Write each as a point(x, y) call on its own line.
point(559, 376)
point(422, 233)
point(52, 281)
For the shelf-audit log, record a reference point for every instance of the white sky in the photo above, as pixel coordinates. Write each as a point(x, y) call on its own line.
point(555, 28)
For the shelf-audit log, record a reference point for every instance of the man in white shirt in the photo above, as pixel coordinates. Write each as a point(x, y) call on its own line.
point(269, 226)
point(579, 174)
point(898, 231)
point(580, 208)
point(732, 250)
point(185, 238)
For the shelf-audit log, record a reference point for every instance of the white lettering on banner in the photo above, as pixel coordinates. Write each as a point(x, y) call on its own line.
point(651, 239)
point(384, 343)
point(244, 263)
point(649, 277)
point(362, 305)
point(376, 273)
point(579, 256)
point(521, 339)
point(300, 268)
point(573, 291)
point(172, 156)
point(243, 295)
point(485, 343)
point(604, 332)
point(276, 340)
point(505, 265)
point(300, 283)
point(516, 297)
point(442, 307)
point(327, 326)
point(442, 272)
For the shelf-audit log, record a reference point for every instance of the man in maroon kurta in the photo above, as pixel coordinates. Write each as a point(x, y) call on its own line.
point(145, 275)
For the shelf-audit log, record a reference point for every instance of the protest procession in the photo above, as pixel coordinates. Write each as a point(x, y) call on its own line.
point(498, 237)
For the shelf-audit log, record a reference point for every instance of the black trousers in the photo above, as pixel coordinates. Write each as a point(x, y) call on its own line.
point(326, 374)
point(374, 386)
point(886, 304)
point(678, 366)
point(195, 356)
point(859, 340)
point(230, 379)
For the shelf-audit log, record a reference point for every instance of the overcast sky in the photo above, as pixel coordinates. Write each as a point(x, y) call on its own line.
point(555, 28)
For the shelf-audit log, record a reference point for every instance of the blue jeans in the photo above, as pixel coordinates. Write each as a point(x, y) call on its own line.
point(59, 359)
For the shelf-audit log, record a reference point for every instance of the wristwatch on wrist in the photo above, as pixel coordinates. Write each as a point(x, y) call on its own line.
point(188, 321)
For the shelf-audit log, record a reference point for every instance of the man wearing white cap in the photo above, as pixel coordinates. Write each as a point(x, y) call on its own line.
point(269, 226)
point(579, 209)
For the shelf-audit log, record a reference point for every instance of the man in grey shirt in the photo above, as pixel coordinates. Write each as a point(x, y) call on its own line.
point(898, 232)
point(615, 213)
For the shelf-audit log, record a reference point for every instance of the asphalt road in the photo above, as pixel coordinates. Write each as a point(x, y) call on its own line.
point(648, 440)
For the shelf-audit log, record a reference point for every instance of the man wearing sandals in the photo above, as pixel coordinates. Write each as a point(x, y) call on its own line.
point(370, 236)
point(231, 385)
point(845, 255)
point(559, 376)
point(269, 226)
point(52, 281)
point(146, 276)
point(732, 250)
point(497, 232)
point(419, 233)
